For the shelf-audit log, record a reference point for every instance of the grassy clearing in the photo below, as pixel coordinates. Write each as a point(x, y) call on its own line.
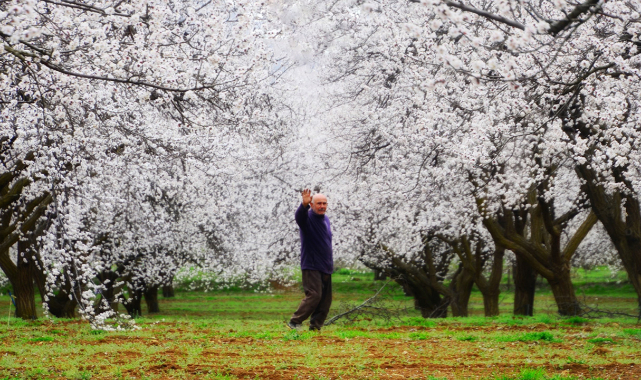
point(236, 335)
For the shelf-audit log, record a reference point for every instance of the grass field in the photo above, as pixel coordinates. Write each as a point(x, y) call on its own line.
point(237, 334)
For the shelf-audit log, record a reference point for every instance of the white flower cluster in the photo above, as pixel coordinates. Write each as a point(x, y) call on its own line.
point(454, 115)
point(131, 138)
point(145, 138)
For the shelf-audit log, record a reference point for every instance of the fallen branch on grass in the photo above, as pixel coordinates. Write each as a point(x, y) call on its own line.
point(595, 312)
point(366, 306)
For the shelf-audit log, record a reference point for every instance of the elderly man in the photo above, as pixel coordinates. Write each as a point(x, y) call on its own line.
point(315, 260)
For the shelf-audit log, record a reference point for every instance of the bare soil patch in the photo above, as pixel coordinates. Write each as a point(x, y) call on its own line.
point(447, 351)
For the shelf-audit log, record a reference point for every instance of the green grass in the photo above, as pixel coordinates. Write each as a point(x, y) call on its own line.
point(420, 321)
point(239, 334)
point(182, 347)
point(597, 287)
point(540, 374)
point(601, 340)
point(636, 333)
point(42, 339)
point(544, 336)
point(575, 321)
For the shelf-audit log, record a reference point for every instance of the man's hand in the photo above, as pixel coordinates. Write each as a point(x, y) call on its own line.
point(307, 197)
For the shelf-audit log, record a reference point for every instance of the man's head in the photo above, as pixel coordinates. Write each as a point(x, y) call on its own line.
point(319, 204)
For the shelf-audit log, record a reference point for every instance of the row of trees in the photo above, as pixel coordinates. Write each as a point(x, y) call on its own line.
point(130, 133)
point(142, 137)
point(486, 127)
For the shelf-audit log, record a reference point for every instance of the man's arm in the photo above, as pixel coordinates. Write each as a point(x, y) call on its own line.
point(301, 213)
point(307, 197)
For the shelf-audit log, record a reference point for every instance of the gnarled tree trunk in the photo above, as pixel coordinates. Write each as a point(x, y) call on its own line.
point(23, 289)
point(151, 298)
point(491, 304)
point(618, 209)
point(624, 229)
point(564, 295)
point(63, 306)
point(421, 276)
point(461, 289)
point(168, 291)
point(427, 299)
point(473, 260)
point(108, 300)
point(20, 224)
point(133, 303)
point(524, 287)
point(63, 303)
point(429, 302)
point(491, 288)
point(380, 275)
point(542, 248)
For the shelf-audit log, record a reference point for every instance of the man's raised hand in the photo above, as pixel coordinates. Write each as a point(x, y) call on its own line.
point(307, 197)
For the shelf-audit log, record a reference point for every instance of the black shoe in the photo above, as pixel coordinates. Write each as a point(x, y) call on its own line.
point(294, 326)
point(313, 328)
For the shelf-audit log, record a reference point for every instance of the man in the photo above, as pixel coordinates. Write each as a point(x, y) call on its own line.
point(316, 261)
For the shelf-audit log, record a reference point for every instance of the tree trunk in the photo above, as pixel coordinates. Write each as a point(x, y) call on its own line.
point(427, 300)
point(542, 249)
point(461, 288)
point(25, 301)
point(151, 298)
point(491, 304)
point(108, 300)
point(624, 230)
point(133, 303)
point(23, 289)
point(564, 293)
point(631, 259)
point(168, 291)
point(62, 306)
point(407, 289)
point(379, 275)
point(423, 282)
point(431, 307)
point(524, 287)
point(491, 289)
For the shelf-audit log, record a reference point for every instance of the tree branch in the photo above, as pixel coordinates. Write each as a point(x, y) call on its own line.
point(533, 254)
point(482, 13)
point(555, 28)
point(579, 235)
point(558, 26)
point(84, 7)
point(488, 15)
point(364, 305)
point(14, 193)
point(8, 266)
point(124, 81)
point(20, 54)
point(566, 217)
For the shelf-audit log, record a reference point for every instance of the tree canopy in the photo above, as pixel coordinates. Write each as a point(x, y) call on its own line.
point(139, 138)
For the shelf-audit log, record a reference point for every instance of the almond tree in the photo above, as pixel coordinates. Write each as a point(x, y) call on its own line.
point(477, 90)
point(84, 82)
point(581, 59)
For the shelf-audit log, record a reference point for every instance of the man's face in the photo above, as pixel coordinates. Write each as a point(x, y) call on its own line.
point(319, 204)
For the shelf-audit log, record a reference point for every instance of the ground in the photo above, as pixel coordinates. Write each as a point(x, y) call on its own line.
point(242, 335)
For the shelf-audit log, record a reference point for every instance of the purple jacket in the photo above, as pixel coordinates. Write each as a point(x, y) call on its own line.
point(315, 239)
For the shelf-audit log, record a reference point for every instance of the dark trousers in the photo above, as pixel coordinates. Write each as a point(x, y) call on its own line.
point(318, 299)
